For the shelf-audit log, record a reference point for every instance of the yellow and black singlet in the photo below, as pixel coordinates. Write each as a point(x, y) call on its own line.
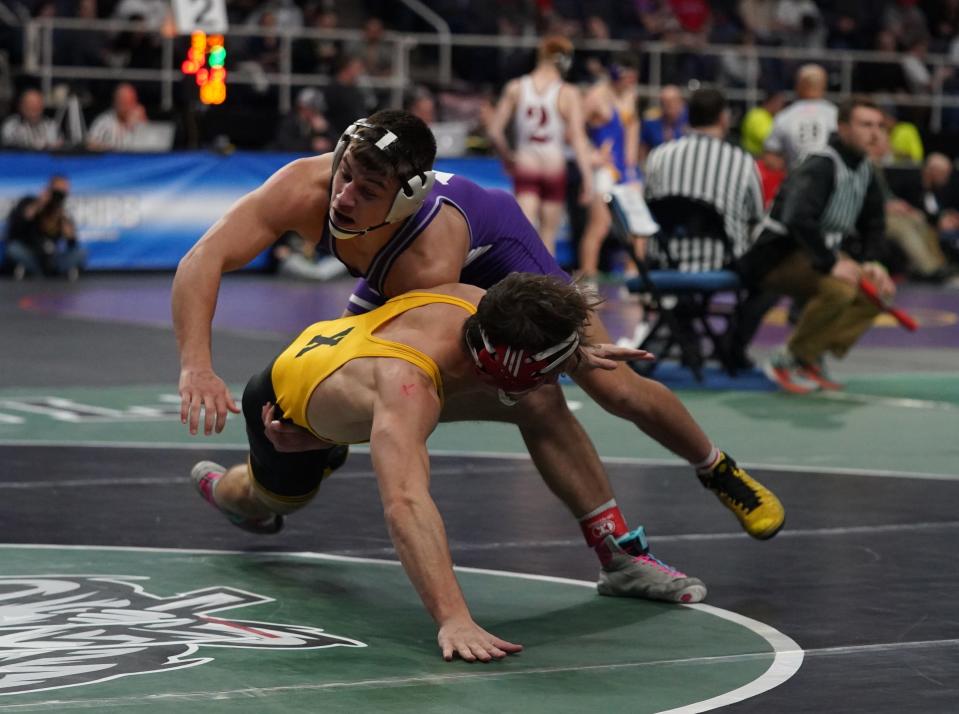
point(324, 347)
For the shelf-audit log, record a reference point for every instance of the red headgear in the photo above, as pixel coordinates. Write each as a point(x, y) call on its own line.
point(515, 371)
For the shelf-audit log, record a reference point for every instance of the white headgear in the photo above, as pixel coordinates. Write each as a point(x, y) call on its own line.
point(413, 190)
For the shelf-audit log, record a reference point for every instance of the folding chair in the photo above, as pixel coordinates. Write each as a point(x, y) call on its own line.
point(696, 258)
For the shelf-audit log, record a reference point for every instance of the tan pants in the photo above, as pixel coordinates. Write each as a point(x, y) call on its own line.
point(836, 313)
point(918, 240)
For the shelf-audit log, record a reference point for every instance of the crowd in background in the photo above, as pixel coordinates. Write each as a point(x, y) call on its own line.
point(911, 28)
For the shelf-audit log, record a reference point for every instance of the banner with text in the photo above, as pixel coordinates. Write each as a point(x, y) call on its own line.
point(144, 212)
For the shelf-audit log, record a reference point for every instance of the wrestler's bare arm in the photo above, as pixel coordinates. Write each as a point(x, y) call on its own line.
point(291, 199)
point(406, 410)
point(496, 130)
point(571, 109)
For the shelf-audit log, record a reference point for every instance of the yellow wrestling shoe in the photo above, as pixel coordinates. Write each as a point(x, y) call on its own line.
point(756, 507)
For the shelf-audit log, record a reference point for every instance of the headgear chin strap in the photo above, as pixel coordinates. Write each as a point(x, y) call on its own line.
point(514, 371)
point(413, 190)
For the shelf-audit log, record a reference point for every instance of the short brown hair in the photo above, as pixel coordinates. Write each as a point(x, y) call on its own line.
point(411, 154)
point(533, 312)
point(850, 104)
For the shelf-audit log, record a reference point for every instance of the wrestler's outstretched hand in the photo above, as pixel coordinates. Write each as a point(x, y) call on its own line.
point(608, 356)
point(202, 389)
point(469, 641)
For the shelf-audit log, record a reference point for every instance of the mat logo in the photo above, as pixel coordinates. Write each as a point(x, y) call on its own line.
point(66, 631)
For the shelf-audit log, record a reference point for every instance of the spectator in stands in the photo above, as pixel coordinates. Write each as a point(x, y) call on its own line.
point(849, 24)
point(120, 128)
point(512, 59)
point(757, 123)
point(13, 14)
point(590, 65)
point(738, 66)
point(139, 48)
point(692, 17)
point(920, 78)
point(322, 55)
point(346, 99)
point(41, 237)
point(286, 14)
point(906, 20)
point(657, 18)
point(264, 50)
point(759, 17)
point(928, 192)
point(805, 125)
point(85, 48)
point(421, 104)
point(29, 128)
point(693, 23)
point(305, 129)
point(801, 24)
point(376, 52)
point(664, 123)
point(907, 225)
point(756, 127)
point(803, 251)
point(943, 22)
point(905, 141)
point(154, 13)
point(886, 76)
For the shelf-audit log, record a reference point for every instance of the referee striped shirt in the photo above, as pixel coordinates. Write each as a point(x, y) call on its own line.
point(702, 167)
point(16, 133)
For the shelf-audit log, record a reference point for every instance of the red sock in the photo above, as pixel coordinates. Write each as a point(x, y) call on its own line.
point(605, 520)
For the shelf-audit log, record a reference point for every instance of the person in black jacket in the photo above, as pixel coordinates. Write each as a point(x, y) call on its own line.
point(822, 235)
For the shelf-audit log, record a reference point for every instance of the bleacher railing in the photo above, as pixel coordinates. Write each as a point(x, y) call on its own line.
point(436, 67)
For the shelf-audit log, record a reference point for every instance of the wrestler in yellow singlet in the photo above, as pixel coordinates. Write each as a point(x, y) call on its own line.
point(324, 347)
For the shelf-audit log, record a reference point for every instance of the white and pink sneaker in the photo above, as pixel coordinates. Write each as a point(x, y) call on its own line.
point(630, 570)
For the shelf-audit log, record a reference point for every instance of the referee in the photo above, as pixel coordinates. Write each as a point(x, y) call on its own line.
point(805, 249)
point(704, 168)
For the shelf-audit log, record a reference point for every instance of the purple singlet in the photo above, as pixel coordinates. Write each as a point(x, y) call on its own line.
point(502, 240)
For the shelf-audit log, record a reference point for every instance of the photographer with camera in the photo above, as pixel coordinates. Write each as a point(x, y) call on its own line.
point(41, 237)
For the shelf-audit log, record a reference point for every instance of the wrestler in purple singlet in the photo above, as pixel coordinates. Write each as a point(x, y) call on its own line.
point(502, 240)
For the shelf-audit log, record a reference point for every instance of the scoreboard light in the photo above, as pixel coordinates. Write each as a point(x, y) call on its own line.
point(206, 61)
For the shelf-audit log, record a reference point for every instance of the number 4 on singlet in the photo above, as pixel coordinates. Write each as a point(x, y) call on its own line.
point(324, 341)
